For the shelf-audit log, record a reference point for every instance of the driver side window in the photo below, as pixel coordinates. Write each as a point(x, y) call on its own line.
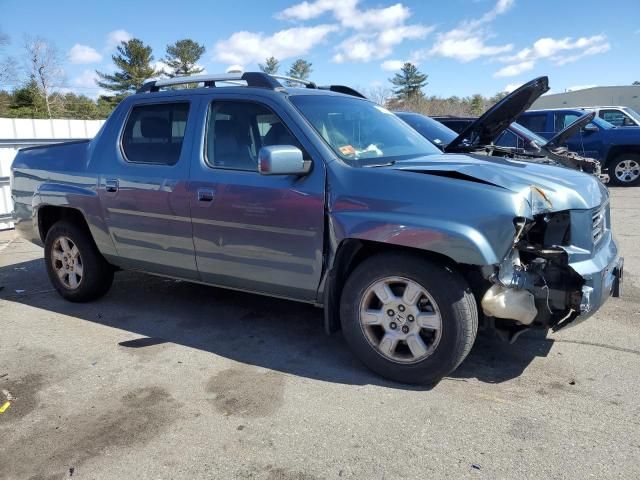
point(236, 131)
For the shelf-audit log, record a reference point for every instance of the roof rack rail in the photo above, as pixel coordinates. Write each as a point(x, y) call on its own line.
point(252, 79)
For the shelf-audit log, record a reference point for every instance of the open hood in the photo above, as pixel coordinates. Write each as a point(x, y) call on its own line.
point(495, 120)
point(559, 139)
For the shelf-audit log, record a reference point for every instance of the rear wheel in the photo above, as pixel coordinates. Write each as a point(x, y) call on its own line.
point(408, 319)
point(75, 266)
point(624, 170)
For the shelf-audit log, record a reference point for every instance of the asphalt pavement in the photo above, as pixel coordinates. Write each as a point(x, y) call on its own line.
point(166, 379)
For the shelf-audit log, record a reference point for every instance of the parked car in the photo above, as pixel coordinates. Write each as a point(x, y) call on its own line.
point(514, 142)
point(617, 116)
point(325, 198)
point(617, 149)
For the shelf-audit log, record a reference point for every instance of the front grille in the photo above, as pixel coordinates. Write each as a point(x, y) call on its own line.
point(599, 225)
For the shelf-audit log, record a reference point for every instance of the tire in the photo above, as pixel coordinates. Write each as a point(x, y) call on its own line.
point(70, 253)
point(624, 170)
point(444, 294)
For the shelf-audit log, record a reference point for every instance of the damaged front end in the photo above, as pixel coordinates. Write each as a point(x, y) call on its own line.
point(562, 267)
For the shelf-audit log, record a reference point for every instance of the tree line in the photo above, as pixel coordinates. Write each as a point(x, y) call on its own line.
point(40, 85)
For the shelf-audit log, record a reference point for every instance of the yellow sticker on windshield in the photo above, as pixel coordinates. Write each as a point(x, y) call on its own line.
point(347, 150)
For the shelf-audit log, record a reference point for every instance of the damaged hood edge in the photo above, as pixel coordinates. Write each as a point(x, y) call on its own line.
point(544, 188)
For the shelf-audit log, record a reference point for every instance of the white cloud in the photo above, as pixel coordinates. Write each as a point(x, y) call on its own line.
point(348, 14)
point(249, 47)
point(85, 84)
point(365, 47)
point(464, 46)
point(515, 69)
point(560, 51)
point(510, 87)
point(234, 69)
point(377, 30)
point(115, 37)
point(468, 41)
point(82, 54)
point(87, 79)
point(392, 65)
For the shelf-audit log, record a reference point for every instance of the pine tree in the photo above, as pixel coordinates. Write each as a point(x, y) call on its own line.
point(133, 59)
point(477, 105)
point(299, 69)
point(182, 58)
point(270, 66)
point(409, 82)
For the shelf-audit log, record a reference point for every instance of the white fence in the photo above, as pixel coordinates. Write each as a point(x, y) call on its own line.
point(17, 133)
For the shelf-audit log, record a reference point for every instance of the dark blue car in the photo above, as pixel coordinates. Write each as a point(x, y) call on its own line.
point(618, 149)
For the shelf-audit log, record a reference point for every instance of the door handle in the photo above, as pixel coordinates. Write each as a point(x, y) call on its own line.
point(205, 195)
point(111, 185)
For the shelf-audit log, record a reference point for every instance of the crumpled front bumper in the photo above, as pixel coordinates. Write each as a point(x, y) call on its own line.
point(602, 274)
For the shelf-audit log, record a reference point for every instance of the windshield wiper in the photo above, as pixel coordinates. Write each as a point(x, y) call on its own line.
point(374, 165)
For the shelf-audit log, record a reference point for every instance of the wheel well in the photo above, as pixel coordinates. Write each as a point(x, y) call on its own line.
point(48, 215)
point(617, 150)
point(352, 252)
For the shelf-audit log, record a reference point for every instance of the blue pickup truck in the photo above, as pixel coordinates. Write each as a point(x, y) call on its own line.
point(617, 148)
point(318, 195)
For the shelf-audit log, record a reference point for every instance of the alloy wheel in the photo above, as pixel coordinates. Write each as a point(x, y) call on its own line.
point(400, 319)
point(627, 171)
point(67, 262)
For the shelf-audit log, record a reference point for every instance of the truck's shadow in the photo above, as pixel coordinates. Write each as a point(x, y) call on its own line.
point(276, 334)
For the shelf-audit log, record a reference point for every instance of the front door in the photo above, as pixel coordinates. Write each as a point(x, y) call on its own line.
point(143, 190)
point(255, 232)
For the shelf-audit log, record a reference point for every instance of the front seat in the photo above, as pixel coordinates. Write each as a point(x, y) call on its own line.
point(229, 150)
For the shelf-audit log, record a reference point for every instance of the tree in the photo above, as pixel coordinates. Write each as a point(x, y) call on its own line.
point(637, 82)
point(133, 60)
point(7, 63)
point(44, 68)
point(299, 69)
point(270, 66)
point(477, 105)
point(409, 82)
point(182, 58)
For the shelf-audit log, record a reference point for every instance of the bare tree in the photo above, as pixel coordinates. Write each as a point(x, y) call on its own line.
point(44, 67)
point(7, 63)
point(379, 94)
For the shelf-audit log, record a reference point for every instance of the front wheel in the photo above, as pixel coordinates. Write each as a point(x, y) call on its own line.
point(75, 266)
point(624, 170)
point(407, 318)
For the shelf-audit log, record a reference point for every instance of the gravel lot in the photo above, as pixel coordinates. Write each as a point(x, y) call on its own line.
point(165, 379)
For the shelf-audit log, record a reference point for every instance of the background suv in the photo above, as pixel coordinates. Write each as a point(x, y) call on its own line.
point(618, 149)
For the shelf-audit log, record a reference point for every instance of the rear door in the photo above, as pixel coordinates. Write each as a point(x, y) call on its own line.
point(250, 231)
point(143, 188)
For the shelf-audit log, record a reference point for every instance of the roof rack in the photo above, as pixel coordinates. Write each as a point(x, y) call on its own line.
point(252, 79)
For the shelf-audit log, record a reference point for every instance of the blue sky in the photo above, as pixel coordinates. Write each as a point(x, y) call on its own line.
point(465, 46)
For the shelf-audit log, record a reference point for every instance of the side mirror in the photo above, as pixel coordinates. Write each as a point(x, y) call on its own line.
point(590, 128)
point(282, 160)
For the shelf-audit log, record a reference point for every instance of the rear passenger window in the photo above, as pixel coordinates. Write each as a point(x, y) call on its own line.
point(236, 131)
point(154, 133)
point(535, 123)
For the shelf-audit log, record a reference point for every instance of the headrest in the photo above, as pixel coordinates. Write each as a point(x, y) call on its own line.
point(155, 127)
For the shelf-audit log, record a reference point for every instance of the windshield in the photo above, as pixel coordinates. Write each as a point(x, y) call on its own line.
point(429, 128)
point(361, 132)
point(528, 134)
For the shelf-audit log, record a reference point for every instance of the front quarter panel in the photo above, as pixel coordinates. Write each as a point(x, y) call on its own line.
point(469, 222)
